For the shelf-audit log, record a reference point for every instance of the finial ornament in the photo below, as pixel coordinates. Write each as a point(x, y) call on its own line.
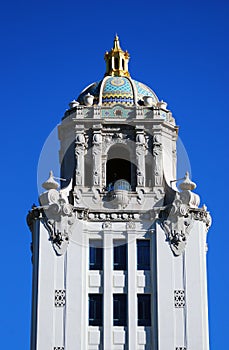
point(187, 184)
point(50, 183)
point(117, 60)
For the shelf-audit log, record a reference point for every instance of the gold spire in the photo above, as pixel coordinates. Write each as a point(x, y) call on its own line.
point(116, 46)
point(117, 60)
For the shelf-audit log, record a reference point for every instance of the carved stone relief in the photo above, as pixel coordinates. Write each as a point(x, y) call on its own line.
point(58, 219)
point(178, 219)
point(177, 226)
point(79, 153)
point(157, 155)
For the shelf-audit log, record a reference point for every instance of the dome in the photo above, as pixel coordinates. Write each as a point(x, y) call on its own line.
point(112, 90)
point(117, 87)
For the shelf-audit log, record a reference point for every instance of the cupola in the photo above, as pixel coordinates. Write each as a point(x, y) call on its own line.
point(117, 60)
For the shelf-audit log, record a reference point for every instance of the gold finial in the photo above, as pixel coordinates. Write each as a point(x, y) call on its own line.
point(116, 46)
point(117, 60)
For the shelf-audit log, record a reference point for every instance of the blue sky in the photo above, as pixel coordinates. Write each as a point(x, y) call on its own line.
point(51, 50)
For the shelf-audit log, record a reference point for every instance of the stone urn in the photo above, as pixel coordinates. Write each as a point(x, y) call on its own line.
point(88, 99)
point(148, 101)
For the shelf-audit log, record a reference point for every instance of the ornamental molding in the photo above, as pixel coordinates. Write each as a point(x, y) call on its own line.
point(107, 217)
point(116, 137)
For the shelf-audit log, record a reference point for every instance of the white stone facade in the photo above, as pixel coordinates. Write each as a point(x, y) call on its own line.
point(127, 301)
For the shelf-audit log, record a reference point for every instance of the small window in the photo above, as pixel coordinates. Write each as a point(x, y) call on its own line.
point(119, 310)
point(143, 254)
point(144, 310)
point(120, 255)
point(95, 309)
point(95, 255)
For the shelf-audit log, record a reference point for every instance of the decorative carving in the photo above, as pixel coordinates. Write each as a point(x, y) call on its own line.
point(140, 196)
point(58, 348)
point(140, 139)
point(97, 139)
point(80, 139)
point(96, 195)
point(96, 178)
point(58, 219)
point(157, 155)
point(179, 298)
point(130, 225)
point(178, 218)
point(140, 178)
point(78, 195)
point(177, 226)
point(107, 217)
point(106, 225)
point(120, 198)
point(181, 348)
point(202, 215)
point(157, 146)
point(60, 295)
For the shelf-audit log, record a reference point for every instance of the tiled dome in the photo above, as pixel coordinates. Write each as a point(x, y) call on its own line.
point(117, 90)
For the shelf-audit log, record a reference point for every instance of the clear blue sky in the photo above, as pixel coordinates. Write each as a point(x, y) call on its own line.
point(50, 50)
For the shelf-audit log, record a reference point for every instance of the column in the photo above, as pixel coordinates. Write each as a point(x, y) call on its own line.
point(96, 152)
point(157, 164)
point(140, 158)
point(79, 153)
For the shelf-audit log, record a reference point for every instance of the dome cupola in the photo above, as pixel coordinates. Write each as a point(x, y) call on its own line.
point(117, 87)
point(117, 60)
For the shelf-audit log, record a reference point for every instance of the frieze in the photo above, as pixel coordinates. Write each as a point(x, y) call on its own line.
point(107, 216)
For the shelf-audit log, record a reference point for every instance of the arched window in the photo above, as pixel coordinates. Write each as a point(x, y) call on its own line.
point(119, 166)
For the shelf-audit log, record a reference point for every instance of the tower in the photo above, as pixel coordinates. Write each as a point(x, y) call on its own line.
point(119, 252)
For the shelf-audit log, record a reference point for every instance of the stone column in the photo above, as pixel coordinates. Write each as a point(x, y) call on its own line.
point(157, 164)
point(79, 152)
point(140, 158)
point(97, 163)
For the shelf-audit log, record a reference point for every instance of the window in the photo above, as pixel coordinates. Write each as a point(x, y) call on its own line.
point(95, 309)
point(116, 63)
point(120, 255)
point(144, 310)
point(143, 254)
point(95, 255)
point(119, 309)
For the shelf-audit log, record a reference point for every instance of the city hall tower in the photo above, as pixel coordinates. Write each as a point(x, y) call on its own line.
point(119, 249)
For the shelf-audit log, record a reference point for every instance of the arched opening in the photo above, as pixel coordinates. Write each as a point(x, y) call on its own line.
point(120, 167)
point(116, 60)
